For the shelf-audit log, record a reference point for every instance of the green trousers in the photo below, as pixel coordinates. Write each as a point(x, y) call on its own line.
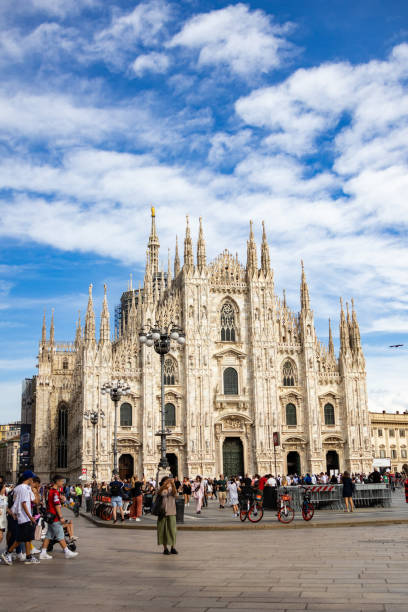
point(166, 531)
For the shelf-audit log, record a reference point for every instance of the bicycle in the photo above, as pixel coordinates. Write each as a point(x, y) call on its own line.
point(286, 514)
point(307, 505)
point(252, 510)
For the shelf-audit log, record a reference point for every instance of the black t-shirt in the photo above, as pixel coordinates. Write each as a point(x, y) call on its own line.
point(177, 484)
point(137, 489)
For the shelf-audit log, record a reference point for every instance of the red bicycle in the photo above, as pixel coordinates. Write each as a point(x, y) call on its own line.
point(286, 514)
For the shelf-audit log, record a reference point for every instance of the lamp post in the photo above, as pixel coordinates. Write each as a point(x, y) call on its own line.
point(161, 339)
point(93, 416)
point(115, 389)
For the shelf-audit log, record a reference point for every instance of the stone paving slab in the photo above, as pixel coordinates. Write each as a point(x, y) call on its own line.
point(328, 570)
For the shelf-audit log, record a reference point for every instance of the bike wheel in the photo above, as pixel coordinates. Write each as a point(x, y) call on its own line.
point(255, 513)
point(242, 515)
point(286, 514)
point(307, 511)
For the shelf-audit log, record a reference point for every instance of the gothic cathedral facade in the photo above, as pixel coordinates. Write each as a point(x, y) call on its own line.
point(250, 368)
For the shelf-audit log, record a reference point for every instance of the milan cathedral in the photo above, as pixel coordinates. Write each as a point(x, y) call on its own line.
point(250, 368)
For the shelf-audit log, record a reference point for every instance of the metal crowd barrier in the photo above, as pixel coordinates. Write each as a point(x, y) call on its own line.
point(372, 495)
point(331, 496)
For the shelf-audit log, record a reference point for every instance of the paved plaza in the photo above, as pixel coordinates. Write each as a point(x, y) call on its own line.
point(363, 568)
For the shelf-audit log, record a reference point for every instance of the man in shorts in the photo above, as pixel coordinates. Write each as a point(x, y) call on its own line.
point(116, 488)
point(222, 491)
point(21, 511)
point(55, 529)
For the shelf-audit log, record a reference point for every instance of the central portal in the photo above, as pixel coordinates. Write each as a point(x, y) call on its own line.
point(233, 457)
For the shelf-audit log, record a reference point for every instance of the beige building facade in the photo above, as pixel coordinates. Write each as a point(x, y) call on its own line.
point(250, 367)
point(389, 434)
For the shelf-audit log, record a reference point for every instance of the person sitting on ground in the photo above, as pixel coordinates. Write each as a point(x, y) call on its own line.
point(115, 488)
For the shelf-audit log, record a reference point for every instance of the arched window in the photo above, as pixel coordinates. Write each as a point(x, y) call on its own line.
point(62, 442)
point(329, 414)
point(230, 382)
point(170, 415)
point(125, 415)
point(170, 372)
point(228, 329)
point(291, 418)
point(288, 371)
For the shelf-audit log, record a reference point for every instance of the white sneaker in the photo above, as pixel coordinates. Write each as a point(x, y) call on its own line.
point(31, 561)
point(35, 551)
point(7, 558)
point(138, 519)
point(21, 556)
point(69, 554)
point(45, 555)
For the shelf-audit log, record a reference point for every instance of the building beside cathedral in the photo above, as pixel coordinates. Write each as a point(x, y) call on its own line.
point(250, 367)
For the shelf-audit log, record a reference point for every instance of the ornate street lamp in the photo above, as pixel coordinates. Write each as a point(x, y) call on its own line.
point(161, 339)
point(115, 389)
point(93, 416)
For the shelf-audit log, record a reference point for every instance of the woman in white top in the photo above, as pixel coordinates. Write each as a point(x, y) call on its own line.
point(3, 510)
point(232, 488)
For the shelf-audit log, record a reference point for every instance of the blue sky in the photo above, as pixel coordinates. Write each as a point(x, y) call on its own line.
point(290, 111)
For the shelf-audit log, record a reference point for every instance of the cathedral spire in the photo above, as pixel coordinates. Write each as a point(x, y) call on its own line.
point(331, 345)
point(252, 258)
point(344, 333)
point(349, 326)
point(132, 315)
point(201, 255)
point(104, 332)
point(148, 280)
point(154, 245)
point(304, 291)
point(188, 250)
point(176, 260)
point(355, 329)
point(265, 256)
point(44, 330)
point(89, 334)
point(168, 270)
point(78, 333)
point(52, 331)
point(284, 298)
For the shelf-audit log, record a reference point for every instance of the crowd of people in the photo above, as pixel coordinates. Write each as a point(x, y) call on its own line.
point(31, 520)
point(137, 494)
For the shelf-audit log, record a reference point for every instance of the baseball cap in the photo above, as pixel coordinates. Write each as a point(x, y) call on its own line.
point(28, 474)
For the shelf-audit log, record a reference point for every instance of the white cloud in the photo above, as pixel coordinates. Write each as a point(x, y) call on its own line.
point(245, 41)
point(10, 406)
point(142, 26)
point(151, 62)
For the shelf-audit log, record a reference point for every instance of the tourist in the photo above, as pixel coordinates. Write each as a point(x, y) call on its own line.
point(88, 497)
point(222, 491)
point(166, 521)
point(348, 489)
point(198, 493)
point(116, 493)
point(55, 529)
point(136, 494)
point(3, 509)
point(23, 497)
point(232, 488)
point(186, 491)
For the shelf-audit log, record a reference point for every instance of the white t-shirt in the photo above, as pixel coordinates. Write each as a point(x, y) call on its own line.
point(22, 493)
point(87, 491)
point(271, 482)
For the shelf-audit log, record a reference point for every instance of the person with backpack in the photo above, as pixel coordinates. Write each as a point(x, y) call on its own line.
point(116, 492)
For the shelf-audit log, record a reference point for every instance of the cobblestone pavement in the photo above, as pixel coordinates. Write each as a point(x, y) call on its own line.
point(364, 568)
